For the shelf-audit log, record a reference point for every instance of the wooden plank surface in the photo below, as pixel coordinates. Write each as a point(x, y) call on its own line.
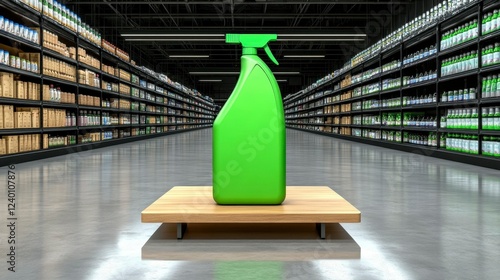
point(303, 204)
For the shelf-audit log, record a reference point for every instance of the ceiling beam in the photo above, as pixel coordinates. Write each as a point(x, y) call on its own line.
point(237, 16)
point(324, 2)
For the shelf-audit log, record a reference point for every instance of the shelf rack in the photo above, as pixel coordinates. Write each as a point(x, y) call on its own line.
point(307, 109)
point(188, 111)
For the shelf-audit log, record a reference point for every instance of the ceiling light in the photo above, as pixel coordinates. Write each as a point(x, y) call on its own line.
point(215, 81)
point(165, 36)
point(189, 56)
point(323, 35)
point(305, 56)
point(281, 80)
point(170, 35)
point(287, 73)
point(173, 39)
point(237, 73)
point(300, 39)
point(213, 73)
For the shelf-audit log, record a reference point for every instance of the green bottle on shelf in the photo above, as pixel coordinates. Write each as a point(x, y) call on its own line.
point(249, 132)
point(448, 142)
point(468, 119)
point(491, 119)
point(496, 146)
point(450, 123)
point(486, 146)
point(474, 119)
point(442, 141)
point(493, 87)
point(496, 119)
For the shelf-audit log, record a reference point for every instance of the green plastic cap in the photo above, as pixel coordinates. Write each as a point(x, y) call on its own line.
point(254, 41)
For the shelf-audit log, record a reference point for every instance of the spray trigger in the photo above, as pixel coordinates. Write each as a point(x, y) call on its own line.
point(270, 54)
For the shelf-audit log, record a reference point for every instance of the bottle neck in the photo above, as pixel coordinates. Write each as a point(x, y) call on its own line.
point(249, 51)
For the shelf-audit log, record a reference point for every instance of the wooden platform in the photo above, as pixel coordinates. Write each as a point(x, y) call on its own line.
point(304, 204)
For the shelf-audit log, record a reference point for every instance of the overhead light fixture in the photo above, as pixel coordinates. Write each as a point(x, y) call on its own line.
point(287, 73)
point(305, 56)
point(237, 73)
point(212, 73)
point(281, 80)
point(158, 39)
point(168, 36)
point(309, 39)
point(189, 56)
point(213, 81)
point(323, 35)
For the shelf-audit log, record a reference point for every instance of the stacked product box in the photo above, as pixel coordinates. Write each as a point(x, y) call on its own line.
point(59, 69)
point(13, 144)
point(86, 58)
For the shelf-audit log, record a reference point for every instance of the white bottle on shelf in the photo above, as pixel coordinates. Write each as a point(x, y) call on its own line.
point(52, 94)
point(58, 94)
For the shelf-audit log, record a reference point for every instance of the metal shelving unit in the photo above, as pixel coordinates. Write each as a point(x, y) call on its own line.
point(202, 108)
point(435, 88)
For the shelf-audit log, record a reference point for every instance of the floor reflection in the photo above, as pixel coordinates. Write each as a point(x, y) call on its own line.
point(250, 242)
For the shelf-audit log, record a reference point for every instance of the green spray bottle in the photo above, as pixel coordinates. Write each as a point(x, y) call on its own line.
point(249, 132)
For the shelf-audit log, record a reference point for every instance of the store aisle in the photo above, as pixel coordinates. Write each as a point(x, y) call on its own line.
point(422, 218)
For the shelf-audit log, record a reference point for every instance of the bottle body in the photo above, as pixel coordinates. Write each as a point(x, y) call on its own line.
point(249, 152)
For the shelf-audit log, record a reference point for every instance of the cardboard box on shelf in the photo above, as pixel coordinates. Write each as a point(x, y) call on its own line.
point(45, 141)
point(29, 141)
point(21, 144)
point(3, 149)
point(1, 117)
point(45, 119)
point(35, 118)
point(7, 80)
point(27, 119)
point(18, 90)
point(12, 144)
point(8, 116)
point(37, 88)
point(30, 90)
point(51, 117)
point(35, 141)
point(72, 52)
point(46, 92)
point(18, 120)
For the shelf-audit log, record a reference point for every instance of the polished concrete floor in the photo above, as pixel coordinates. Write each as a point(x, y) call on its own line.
point(422, 217)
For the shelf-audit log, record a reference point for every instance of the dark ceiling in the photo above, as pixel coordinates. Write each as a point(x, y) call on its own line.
point(373, 18)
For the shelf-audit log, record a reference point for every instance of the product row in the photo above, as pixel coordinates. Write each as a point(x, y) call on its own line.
point(19, 30)
point(463, 143)
point(64, 17)
point(462, 118)
point(410, 29)
point(463, 33)
point(24, 61)
point(419, 55)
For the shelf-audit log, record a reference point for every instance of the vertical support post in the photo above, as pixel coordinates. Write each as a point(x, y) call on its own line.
point(181, 228)
point(321, 227)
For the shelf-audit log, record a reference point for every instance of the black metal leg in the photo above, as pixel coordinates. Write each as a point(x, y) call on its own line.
point(321, 227)
point(181, 228)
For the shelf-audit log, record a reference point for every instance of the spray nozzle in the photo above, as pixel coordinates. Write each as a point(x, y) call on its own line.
point(254, 41)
